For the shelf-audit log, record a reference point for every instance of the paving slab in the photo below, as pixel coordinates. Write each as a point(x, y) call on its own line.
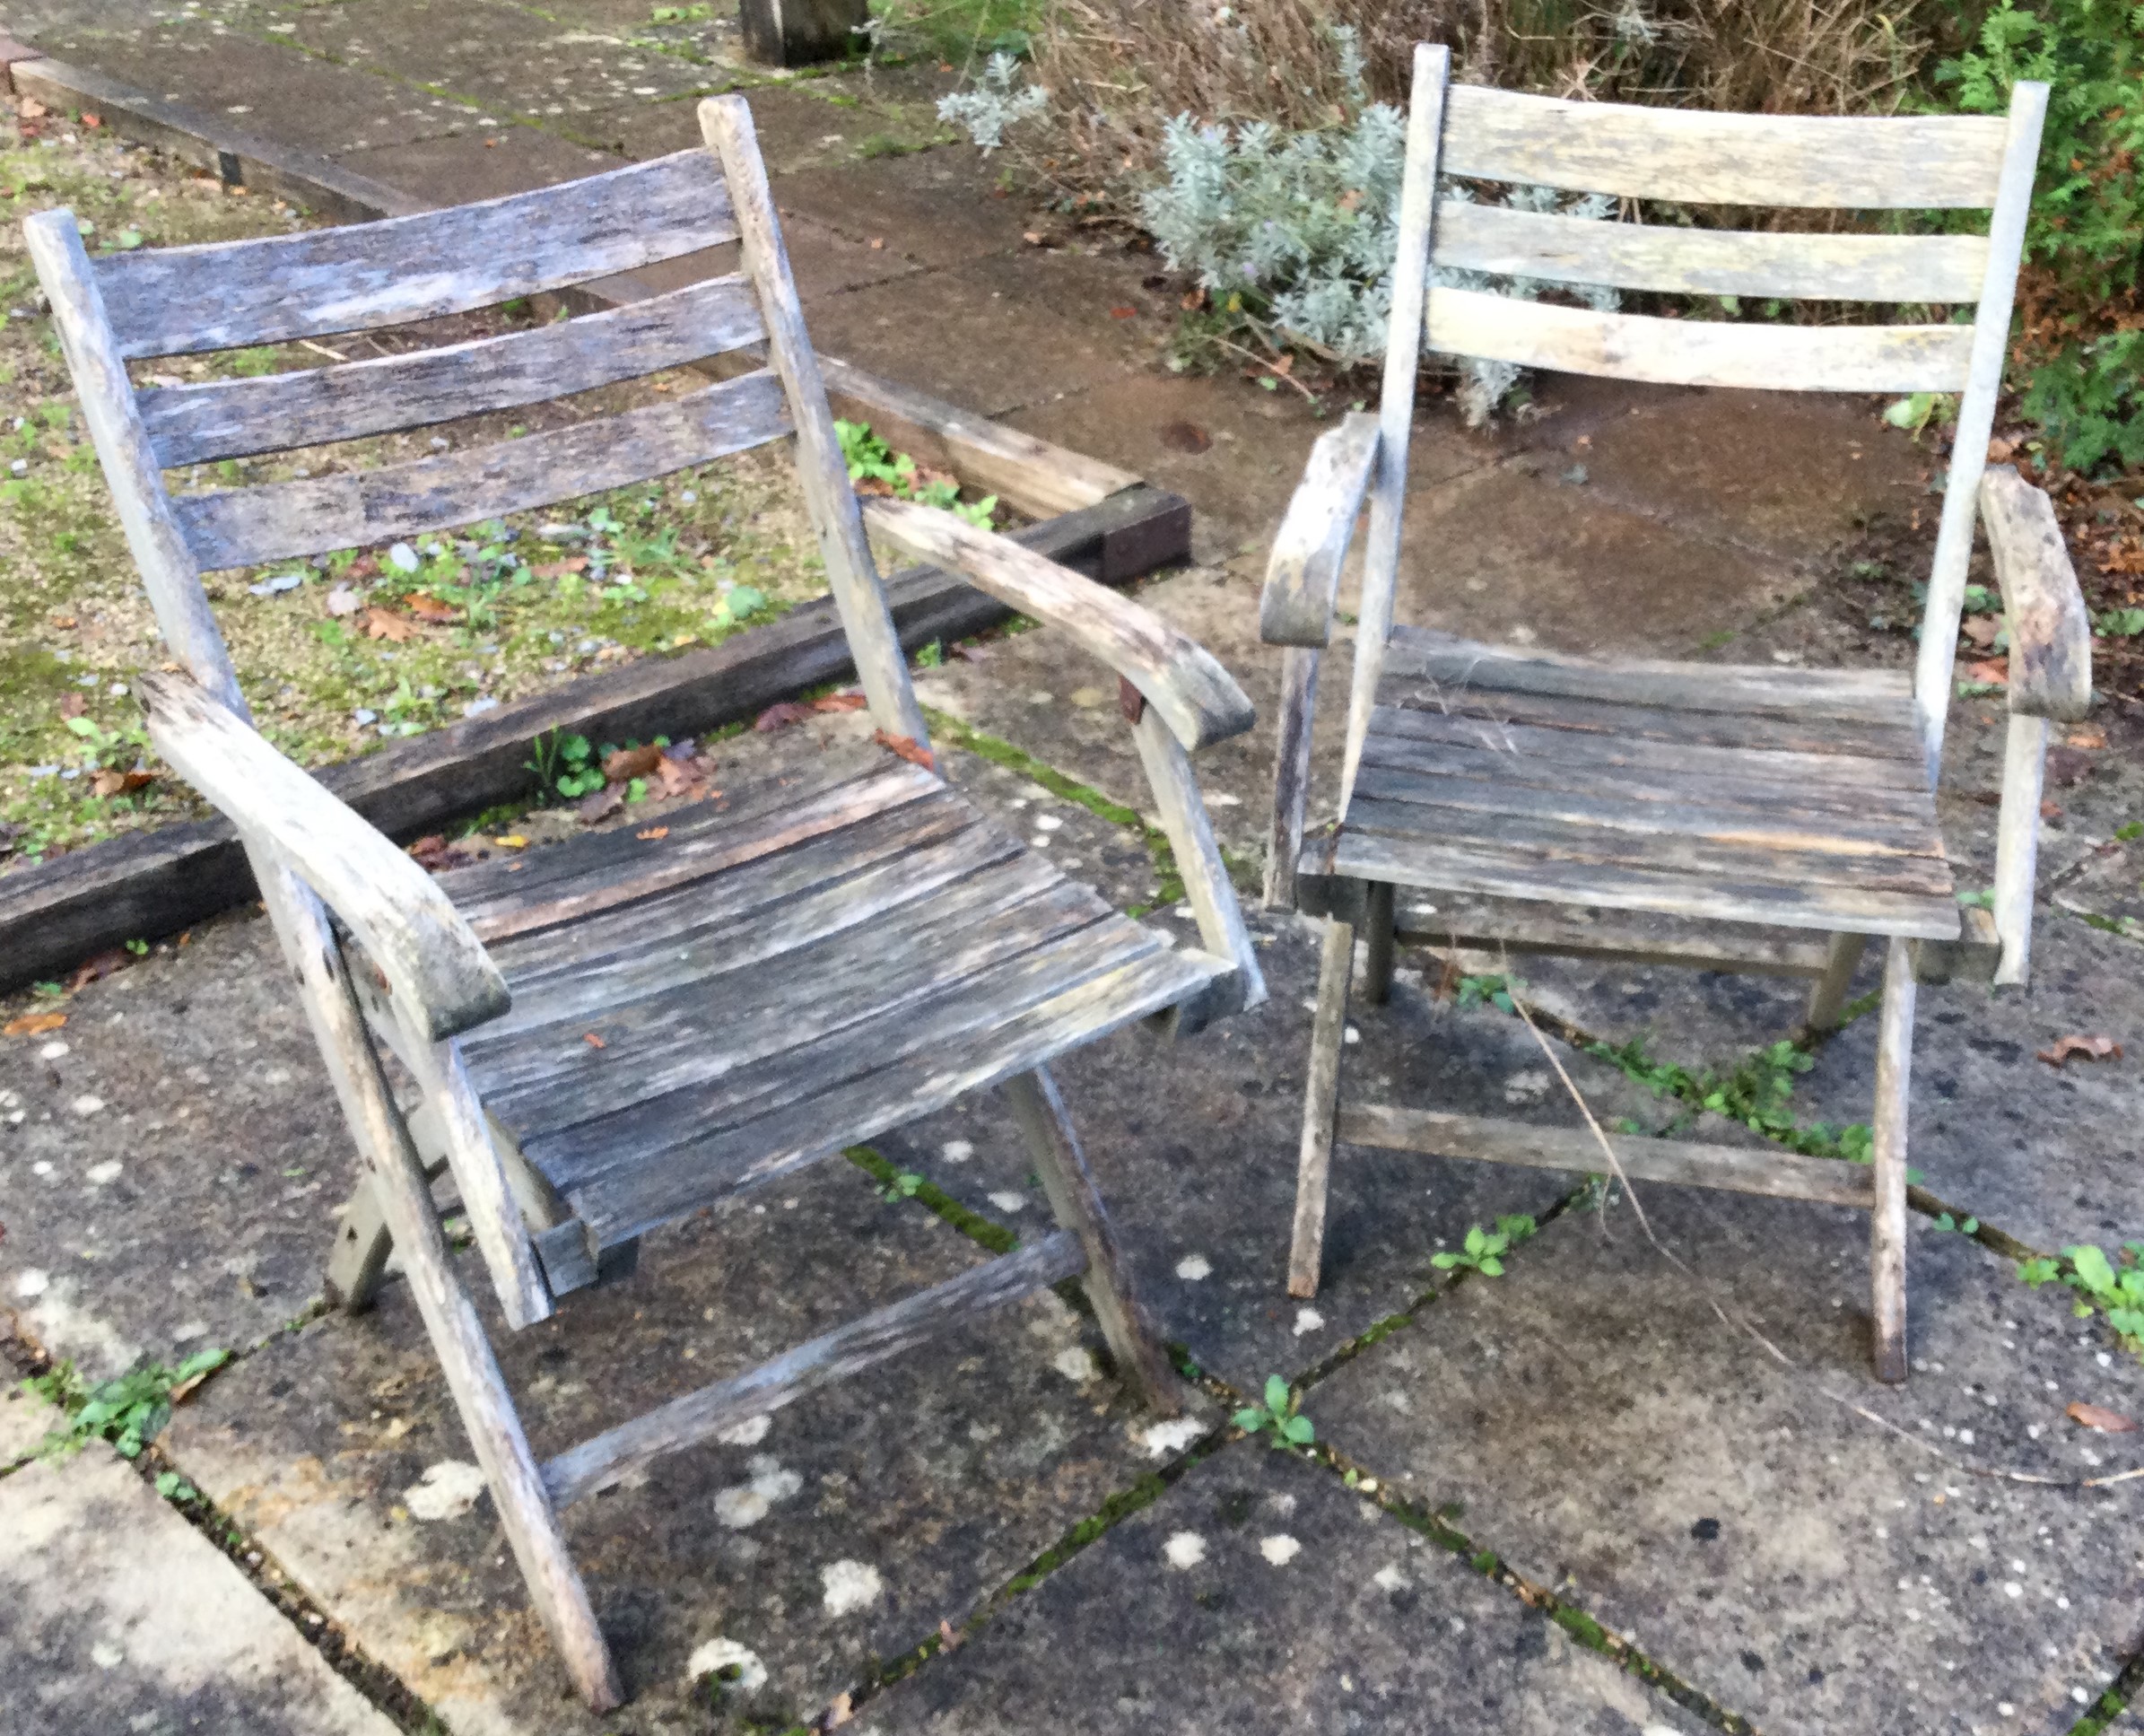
point(1259, 1594)
point(117, 1615)
point(475, 164)
point(936, 208)
point(845, 1529)
point(1592, 1420)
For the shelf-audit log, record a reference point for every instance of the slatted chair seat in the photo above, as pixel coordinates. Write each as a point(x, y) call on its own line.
point(1792, 797)
point(599, 1037)
point(797, 969)
point(1671, 812)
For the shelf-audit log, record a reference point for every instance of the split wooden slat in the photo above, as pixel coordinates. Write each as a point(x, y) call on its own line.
point(313, 406)
point(1302, 574)
point(1769, 729)
point(1942, 269)
point(244, 526)
point(1695, 157)
point(2051, 633)
point(1780, 1174)
point(701, 1415)
point(1698, 352)
point(222, 295)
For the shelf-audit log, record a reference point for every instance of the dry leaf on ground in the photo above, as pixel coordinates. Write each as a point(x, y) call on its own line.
point(848, 702)
point(384, 624)
point(34, 1025)
point(2090, 1048)
point(907, 748)
point(652, 833)
point(779, 715)
point(560, 569)
point(593, 1041)
point(630, 763)
point(602, 804)
point(72, 705)
point(1185, 437)
point(102, 965)
point(1992, 670)
point(428, 607)
point(2107, 1422)
point(119, 783)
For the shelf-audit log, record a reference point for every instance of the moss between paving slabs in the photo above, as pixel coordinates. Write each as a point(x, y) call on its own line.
point(437, 630)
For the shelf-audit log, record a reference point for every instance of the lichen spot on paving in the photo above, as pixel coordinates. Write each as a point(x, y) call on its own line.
point(849, 1586)
point(1184, 1550)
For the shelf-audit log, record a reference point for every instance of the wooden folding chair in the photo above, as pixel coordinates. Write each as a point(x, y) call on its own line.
point(784, 973)
point(1697, 813)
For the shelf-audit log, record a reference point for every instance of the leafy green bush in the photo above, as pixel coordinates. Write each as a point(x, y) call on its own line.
point(2102, 1286)
point(2086, 385)
point(129, 1410)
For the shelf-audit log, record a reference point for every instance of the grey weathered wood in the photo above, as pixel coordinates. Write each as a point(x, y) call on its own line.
point(480, 1393)
point(1697, 352)
point(1425, 128)
point(1380, 932)
point(1196, 697)
point(1320, 1105)
point(243, 527)
point(441, 976)
point(1770, 1171)
point(1842, 957)
point(142, 884)
point(1182, 812)
point(1291, 772)
point(311, 407)
point(1888, 1133)
point(1696, 157)
point(799, 33)
point(1039, 1108)
point(1496, 239)
point(2051, 634)
point(1932, 679)
point(221, 295)
point(2018, 844)
point(726, 124)
point(595, 1464)
point(1302, 574)
point(154, 535)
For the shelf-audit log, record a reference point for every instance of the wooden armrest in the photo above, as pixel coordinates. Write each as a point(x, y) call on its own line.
point(1304, 575)
point(1194, 695)
point(2050, 635)
point(437, 969)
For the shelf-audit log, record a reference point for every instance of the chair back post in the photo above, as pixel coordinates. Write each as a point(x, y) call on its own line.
point(726, 124)
point(94, 354)
point(1932, 670)
point(1396, 403)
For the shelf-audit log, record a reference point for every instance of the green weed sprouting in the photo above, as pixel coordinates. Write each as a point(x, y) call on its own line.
point(1280, 1417)
point(1484, 1249)
point(2114, 1287)
point(871, 459)
point(129, 1410)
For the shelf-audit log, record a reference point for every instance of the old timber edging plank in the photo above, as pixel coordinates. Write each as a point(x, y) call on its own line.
point(148, 884)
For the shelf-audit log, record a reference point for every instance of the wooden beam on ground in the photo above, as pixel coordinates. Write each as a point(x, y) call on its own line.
point(144, 884)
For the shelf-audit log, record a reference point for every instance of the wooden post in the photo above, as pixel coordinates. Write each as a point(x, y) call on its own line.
point(799, 32)
point(1053, 1145)
point(1828, 997)
point(1321, 1108)
point(1291, 773)
point(1887, 1225)
point(1212, 894)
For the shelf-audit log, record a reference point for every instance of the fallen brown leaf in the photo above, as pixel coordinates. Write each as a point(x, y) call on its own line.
point(593, 1041)
point(1992, 670)
point(436, 853)
point(428, 607)
point(677, 775)
point(1185, 437)
point(1123, 313)
point(877, 243)
point(2091, 1048)
point(1982, 629)
point(119, 783)
point(652, 833)
point(906, 748)
point(949, 1640)
point(602, 804)
point(63, 621)
point(630, 763)
point(560, 569)
point(1192, 300)
point(873, 487)
point(2000, 450)
point(72, 705)
point(90, 120)
point(102, 965)
point(2051, 810)
point(779, 715)
point(384, 624)
point(2086, 738)
point(34, 1025)
point(32, 109)
point(366, 566)
point(850, 701)
point(2107, 1422)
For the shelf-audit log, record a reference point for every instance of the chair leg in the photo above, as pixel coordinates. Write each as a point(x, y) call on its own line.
point(1379, 942)
point(1040, 1110)
point(1321, 1109)
point(358, 1262)
point(480, 1392)
point(1828, 997)
point(1886, 1234)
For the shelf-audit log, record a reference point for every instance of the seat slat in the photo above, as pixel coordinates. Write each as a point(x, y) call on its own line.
point(1919, 163)
point(1666, 759)
point(1868, 696)
point(1471, 236)
point(1510, 871)
point(1611, 807)
point(974, 1036)
point(1761, 730)
point(243, 527)
point(1698, 352)
point(312, 407)
point(221, 295)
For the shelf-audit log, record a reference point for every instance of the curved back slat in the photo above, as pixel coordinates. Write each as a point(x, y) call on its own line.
point(222, 295)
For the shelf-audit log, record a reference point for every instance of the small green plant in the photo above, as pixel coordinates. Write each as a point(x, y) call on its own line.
point(129, 1411)
point(2114, 1287)
point(904, 1185)
point(566, 763)
point(1484, 1249)
point(1280, 1417)
point(870, 459)
point(2118, 624)
point(1964, 1226)
point(1914, 413)
point(172, 1486)
point(109, 747)
point(1486, 992)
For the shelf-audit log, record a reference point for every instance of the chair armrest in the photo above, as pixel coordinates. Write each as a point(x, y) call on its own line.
point(439, 971)
point(1194, 695)
point(2051, 634)
point(1304, 575)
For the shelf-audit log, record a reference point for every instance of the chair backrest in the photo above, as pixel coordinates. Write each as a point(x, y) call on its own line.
point(1919, 163)
point(121, 307)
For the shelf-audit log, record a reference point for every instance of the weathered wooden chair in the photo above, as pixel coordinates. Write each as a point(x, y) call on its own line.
point(786, 972)
point(1693, 813)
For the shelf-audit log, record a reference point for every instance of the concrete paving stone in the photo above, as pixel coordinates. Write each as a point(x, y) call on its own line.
point(1196, 1150)
point(816, 124)
point(173, 1181)
point(843, 1530)
point(931, 206)
point(1256, 1595)
point(24, 1422)
point(1591, 1418)
point(452, 170)
point(822, 262)
point(117, 1615)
